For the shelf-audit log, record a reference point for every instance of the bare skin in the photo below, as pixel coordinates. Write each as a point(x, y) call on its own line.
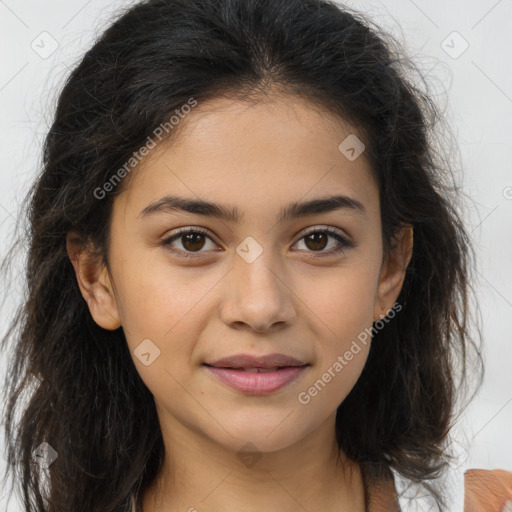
point(298, 298)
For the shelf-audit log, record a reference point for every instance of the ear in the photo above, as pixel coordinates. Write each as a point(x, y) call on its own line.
point(94, 282)
point(393, 270)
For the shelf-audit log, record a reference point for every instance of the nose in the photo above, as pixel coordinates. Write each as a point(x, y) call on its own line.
point(257, 296)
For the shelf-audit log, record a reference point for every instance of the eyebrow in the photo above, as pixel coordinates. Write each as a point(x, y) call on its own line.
point(170, 204)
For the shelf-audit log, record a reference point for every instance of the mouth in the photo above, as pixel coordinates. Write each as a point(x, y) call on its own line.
point(257, 375)
point(252, 370)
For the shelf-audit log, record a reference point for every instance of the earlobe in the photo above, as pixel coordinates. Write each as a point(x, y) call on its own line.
point(94, 282)
point(393, 272)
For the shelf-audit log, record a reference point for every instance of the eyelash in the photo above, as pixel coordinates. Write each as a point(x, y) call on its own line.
point(345, 243)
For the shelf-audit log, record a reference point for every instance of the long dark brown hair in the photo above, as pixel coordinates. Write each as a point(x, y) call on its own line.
point(73, 385)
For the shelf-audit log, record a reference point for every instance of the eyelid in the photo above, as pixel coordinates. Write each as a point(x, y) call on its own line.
point(188, 229)
point(323, 227)
point(185, 230)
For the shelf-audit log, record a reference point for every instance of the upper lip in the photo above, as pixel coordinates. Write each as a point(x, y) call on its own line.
point(248, 361)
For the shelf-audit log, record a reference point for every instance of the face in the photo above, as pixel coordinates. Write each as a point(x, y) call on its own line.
point(288, 290)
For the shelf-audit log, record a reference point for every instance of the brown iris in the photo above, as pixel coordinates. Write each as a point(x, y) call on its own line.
point(316, 239)
point(193, 241)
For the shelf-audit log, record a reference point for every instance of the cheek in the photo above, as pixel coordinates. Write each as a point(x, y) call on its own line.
point(157, 300)
point(170, 309)
point(342, 302)
point(342, 311)
point(162, 325)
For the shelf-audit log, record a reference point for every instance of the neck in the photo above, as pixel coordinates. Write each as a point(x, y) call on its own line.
point(199, 474)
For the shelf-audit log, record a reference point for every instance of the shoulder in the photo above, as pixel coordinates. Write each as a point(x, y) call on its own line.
point(487, 490)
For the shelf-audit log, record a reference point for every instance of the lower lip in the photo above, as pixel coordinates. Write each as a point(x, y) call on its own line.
point(257, 383)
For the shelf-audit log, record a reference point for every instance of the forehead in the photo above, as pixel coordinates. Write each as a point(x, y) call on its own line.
point(280, 123)
point(262, 153)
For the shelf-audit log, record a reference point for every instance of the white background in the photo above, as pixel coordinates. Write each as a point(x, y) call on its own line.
point(479, 89)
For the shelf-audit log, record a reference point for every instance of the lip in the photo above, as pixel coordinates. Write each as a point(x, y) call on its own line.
point(248, 361)
point(257, 375)
point(257, 383)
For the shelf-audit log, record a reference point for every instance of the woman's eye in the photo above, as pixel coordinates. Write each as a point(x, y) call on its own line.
point(191, 241)
point(317, 241)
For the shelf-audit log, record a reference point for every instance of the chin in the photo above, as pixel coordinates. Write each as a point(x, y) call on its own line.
point(253, 434)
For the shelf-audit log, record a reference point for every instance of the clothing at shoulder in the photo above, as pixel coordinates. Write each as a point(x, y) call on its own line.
point(484, 491)
point(488, 490)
